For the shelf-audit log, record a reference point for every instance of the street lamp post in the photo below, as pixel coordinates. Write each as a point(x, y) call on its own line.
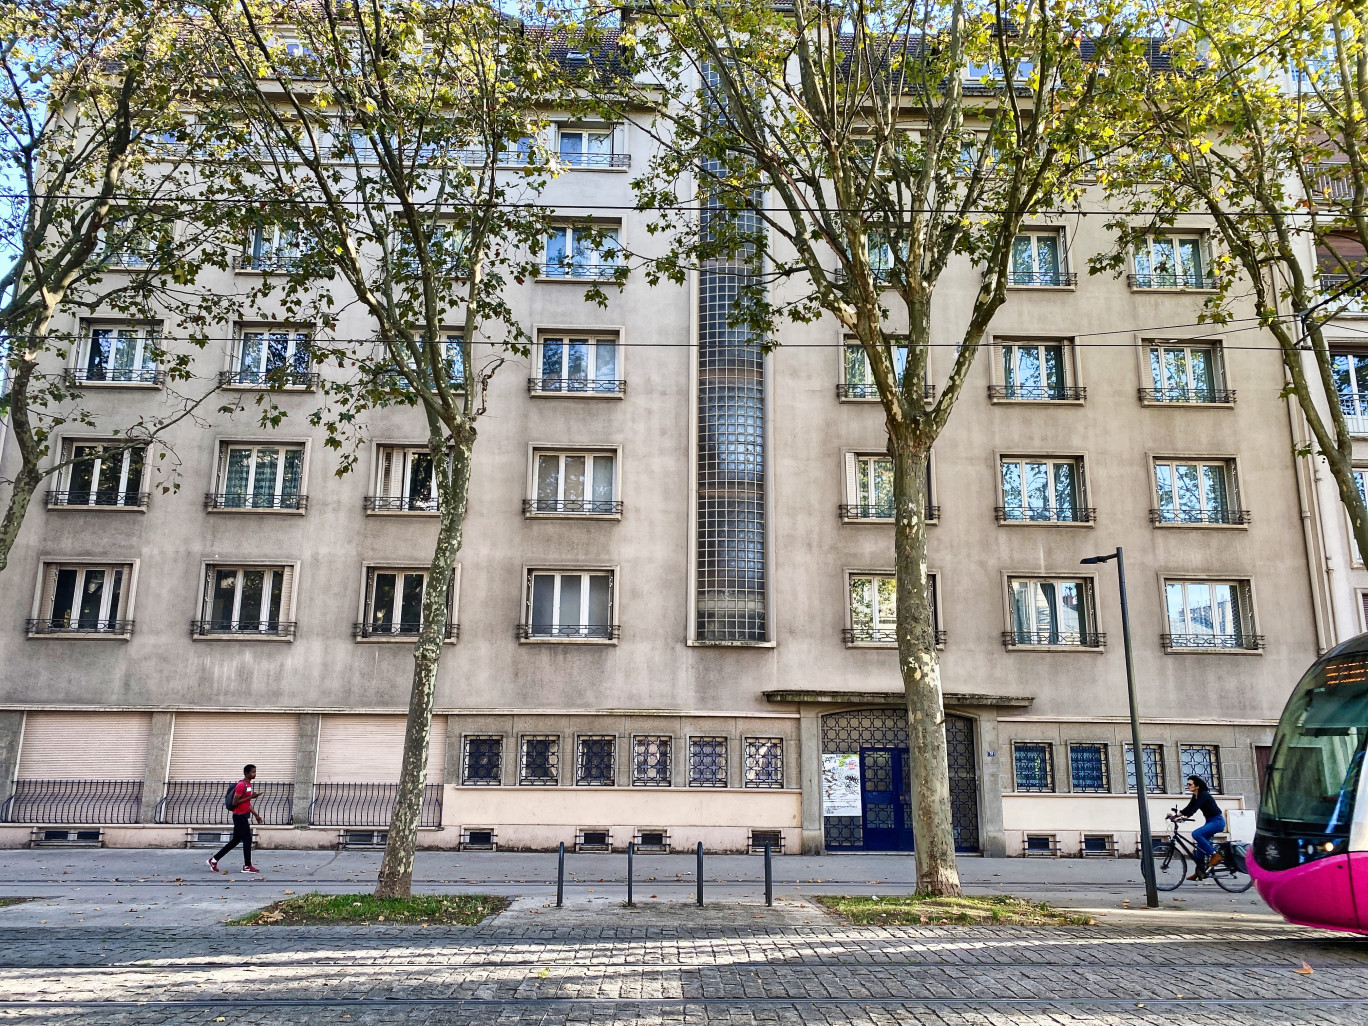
point(1137, 751)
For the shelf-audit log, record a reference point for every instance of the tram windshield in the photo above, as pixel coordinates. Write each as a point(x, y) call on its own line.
point(1317, 757)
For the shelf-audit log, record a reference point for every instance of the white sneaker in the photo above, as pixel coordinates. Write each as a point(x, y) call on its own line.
point(213, 865)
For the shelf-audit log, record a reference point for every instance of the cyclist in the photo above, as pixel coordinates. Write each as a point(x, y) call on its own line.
point(1215, 823)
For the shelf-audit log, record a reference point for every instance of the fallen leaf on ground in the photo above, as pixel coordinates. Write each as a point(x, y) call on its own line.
point(1305, 970)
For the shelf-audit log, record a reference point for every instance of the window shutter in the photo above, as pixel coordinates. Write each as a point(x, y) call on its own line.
point(84, 746)
point(50, 587)
point(386, 469)
point(208, 602)
point(1363, 597)
point(215, 746)
point(222, 477)
point(287, 574)
point(852, 480)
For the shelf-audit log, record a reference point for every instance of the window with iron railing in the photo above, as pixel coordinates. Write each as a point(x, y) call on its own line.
point(271, 248)
point(1209, 615)
point(1043, 489)
point(858, 383)
point(565, 605)
point(117, 354)
point(405, 482)
point(1170, 262)
point(1034, 371)
point(246, 601)
point(651, 760)
point(764, 762)
point(1038, 260)
point(1052, 612)
point(707, 762)
point(272, 358)
point(84, 598)
point(1196, 492)
point(259, 477)
point(573, 483)
point(1350, 370)
point(873, 610)
point(595, 760)
point(1033, 762)
point(482, 760)
point(1088, 771)
point(1153, 756)
point(566, 364)
point(581, 251)
point(592, 146)
point(1186, 372)
point(539, 760)
point(1201, 761)
point(869, 489)
point(101, 475)
point(394, 605)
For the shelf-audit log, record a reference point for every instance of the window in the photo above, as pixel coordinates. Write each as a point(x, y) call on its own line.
point(707, 762)
point(764, 762)
point(582, 483)
point(1209, 615)
point(594, 758)
point(1088, 770)
point(1351, 384)
point(482, 761)
point(1170, 262)
point(246, 600)
point(581, 251)
point(1196, 492)
point(81, 598)
point(1038, 259)
point(869, 489)
point(874, 610)
point(1037, 372)
point(260, 477)
point(578, 365)
point(574, 605)
point(539, 760)
point(580, 146)
point(1201, 761)
point(1052, 611)
point(118, 354)
point(1183, 373)
point(1034, 764)
point(1043, 489)
point(272, 357)
point(446, 251)
point(125, 245)
point(1154, 768)
point(101, 474)
point(271, 248)
point(405, 481)
point(394, 604)
point(651, 760)
point(859, 378)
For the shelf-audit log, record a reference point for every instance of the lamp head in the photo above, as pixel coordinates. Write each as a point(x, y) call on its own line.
point(1099, 559)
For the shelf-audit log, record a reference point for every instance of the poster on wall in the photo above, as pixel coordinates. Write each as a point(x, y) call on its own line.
point(841, 785)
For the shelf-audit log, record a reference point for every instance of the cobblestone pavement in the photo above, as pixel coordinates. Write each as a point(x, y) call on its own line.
point(666, 964)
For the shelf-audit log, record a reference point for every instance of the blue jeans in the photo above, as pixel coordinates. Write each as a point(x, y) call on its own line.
point(1201, 836)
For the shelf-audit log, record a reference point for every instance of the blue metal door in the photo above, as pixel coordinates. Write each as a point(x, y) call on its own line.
point(885, 795)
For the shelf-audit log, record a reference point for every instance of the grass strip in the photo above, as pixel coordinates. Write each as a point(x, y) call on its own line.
point(916, 910)
point(316, 909)
point(18, 900)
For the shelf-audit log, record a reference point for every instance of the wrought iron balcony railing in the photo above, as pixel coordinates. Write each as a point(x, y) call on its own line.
point(1331, 180)
point(878, 511)
point(304, 381)
point(1205, 642)
point(398, 504)
point(200, 803)
point(403, 630)
point(368, 805)
point(585, 507)
point(1053, 639)
point(600, 160)
point(1352, 300)
point(100, 499)
point(571, 632)
point(1043, 279)
point(75, 802)
point(1046, 514)
point(1190, 517)
point(880, 636)
point(578, 272)
point(871, 391)
point(1193, 280)
point(268, 262)
point(1038, 393)
point(115, 376)
point(242, 628)
point(249, 501)
point(577, 386)
point(79, 626)
point(1187, 395)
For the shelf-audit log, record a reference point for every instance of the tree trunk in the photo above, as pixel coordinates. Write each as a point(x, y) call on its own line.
point(933, 829)
point(451, 462)
point(30, 474)
point(25, 484)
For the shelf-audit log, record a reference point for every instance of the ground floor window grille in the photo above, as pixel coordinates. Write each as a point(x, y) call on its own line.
point(764, 762)
point(1088, 768)
point(651, 760)
point(1201, 761)
point(482, 762)
point(707, 762)
point(539, 761)
point(594, 761)
point(1154, 769)
point(1034, 763)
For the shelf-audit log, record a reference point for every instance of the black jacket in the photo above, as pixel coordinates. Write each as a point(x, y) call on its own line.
point(1203, 800)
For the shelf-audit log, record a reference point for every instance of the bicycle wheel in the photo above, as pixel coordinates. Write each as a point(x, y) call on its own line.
point(1170, 866)
point(1228, 878)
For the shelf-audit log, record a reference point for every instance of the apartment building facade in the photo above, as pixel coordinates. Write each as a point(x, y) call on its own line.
point(672, 615)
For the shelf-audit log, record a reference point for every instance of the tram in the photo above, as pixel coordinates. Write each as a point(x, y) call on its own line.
point(1310, 854)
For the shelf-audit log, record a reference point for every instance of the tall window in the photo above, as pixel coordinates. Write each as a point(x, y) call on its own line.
point(874, 610)
point(1351, 383)
point(272, 248)
point(83, 599)
point(707, 762)
point(1041, 489)
point(1154, 768)
point(125, 354)
point(1201, 761)
point(394, 604)
point(1088, 770)
point(539, 760)
point(1052, 611)
point(869, 489)
point(1037, 372)
point(570, 605)
point(764, 763)
point(1170, 262)
point(405, 481)
point(1208, 614)
point(482, 760)
point(651, 760)
point(260, 477)
point(447, 245)
point(1037, 259)
point(574, 482)
point(246, 600)
point(1034, 764)
point(594, 760)
point(1183, 373)
point(278, 357)
point(578, 251)
point(580, 364)
point(101, 474)
point(859, 378)
point(580, 146)
point(1196, 492)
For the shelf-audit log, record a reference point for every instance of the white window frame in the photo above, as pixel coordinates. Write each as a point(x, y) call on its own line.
point(289, 569)
point(856, 506)
point(258, 376)
point(1361, 478)
point(1355, 404)
point(1089, 624)
point(456, 265)
point(886, 629)
point(1229, 466)
point(126, 487)
point(1061, 280)
point(44, 596)
point(1082, 511)
point(867, 391)
point(394, 460)
point(367, 631)
point(596, 269)
point(613, 511)
point(272, 249)
point(1004, 391)
point(1182, 278)
point(570, 633)
point(589, 387)
point(227, 446)
point(585, 130)
point(143, 370)
point(1220, 385)
point(1249, 630)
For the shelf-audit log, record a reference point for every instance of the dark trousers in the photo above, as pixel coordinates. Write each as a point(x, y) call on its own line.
point(242, 832)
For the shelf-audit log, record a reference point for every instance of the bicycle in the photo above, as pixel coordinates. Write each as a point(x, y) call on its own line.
point(1172, 853)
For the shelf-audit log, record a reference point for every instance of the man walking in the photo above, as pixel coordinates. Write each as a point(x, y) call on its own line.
point(243, 793)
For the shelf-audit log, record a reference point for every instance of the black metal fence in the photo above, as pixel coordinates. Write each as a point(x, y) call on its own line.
point(200, 803)
point(85, 802)
point(368, 805)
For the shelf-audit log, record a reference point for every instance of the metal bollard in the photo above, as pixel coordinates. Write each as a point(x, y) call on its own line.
point(631, 851)
point(769, 878)
point(699, 874)
point(560, 877)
